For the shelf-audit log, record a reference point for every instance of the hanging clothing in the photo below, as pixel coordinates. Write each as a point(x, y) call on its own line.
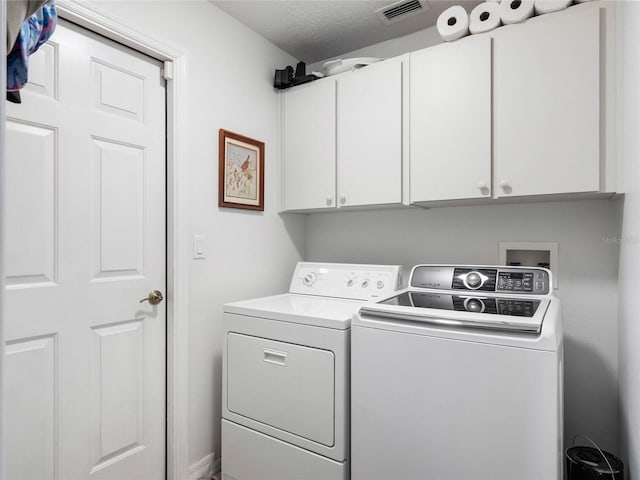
point(35, 31)
point(17, 12)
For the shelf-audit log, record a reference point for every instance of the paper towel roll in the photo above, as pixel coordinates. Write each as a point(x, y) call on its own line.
point(453, 23)
point(485, 17)
point(548, 6)
point(514, 11)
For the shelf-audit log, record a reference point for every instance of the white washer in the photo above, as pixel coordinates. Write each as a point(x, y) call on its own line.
point(459, 377)
point(285, 413)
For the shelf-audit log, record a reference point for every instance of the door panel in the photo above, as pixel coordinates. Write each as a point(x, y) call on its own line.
point(450, 130)
point(369, 138)
point(31, 219)
point(85, 242)
point(309, 153)
point(547, 105)
point(31, 423)
point(118, 92)
point(118, 209)
point(42, 71)
point(118, 391)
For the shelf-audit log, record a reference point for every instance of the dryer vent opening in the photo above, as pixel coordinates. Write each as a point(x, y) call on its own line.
point(400, 10)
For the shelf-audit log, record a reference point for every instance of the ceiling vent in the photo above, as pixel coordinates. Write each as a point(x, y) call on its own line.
point(401, 10)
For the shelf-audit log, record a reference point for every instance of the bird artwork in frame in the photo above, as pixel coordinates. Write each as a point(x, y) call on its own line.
point(241, 172)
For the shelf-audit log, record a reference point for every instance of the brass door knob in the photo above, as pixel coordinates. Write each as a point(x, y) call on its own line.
point(154, 298)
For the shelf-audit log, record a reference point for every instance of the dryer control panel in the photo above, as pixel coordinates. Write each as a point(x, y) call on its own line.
point(519, 280)
point(345, 280)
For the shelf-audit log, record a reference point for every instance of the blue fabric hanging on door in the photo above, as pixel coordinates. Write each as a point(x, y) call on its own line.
point(35, 31)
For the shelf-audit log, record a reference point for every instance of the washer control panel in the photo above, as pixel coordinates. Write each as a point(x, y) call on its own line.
point(345, 280)
point(520, 280)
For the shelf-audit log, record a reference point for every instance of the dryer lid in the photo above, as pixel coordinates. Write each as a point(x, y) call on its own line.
point(304, 309)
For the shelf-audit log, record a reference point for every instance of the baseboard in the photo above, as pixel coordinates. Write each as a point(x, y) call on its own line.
point(217, 467)
point(204, 468)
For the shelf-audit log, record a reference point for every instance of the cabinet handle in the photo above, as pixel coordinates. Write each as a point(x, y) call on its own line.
point(506, 186)
point(343, 199)
point(329, 200)
point(483, 187)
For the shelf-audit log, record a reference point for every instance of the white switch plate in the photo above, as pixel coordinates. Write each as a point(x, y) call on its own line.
point(198, 247)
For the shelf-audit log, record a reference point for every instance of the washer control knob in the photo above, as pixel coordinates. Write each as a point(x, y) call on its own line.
point(474, 305)
point(380, 284)
point(365, 283)
point(473, 280)
point(309, 279)
point(349, 282)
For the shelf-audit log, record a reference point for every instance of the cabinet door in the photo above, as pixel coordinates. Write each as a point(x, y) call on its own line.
point(369, 135)
point(450, 130)
point(547, 105)
point(309, 126)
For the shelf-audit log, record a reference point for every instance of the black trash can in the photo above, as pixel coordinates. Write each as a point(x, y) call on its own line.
point(587, 463)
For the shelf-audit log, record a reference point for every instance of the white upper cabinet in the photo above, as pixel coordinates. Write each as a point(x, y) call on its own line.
point(309, 146)
point(342, 140)
point(547, 105)
point(526, 110)
point(369, 135)
point(450, 129)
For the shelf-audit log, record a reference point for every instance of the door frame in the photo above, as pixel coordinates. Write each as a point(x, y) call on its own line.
point(3, 79)
point(87, 16)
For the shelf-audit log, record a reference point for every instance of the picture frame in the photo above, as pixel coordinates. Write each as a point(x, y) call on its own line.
point(241, 171)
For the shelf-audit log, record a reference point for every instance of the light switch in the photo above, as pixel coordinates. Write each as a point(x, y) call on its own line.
point(198, 247)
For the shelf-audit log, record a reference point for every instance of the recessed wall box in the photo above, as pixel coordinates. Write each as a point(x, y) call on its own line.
point(531, 254)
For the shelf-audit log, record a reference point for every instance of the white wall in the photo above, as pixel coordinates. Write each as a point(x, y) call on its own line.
point(391, 48)
point(629, 151)
point(587, 234)
point(230, 77)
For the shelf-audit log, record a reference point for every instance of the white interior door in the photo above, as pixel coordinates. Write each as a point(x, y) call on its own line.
point(85, 222)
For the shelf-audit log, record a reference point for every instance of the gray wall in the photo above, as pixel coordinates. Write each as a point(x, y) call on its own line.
point(587, 233)
point(629, 151)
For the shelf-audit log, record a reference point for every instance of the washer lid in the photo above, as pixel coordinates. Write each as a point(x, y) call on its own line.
point(304, 309)
point(460, 311)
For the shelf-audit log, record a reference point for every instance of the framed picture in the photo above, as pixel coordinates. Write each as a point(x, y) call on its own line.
point(241, 174)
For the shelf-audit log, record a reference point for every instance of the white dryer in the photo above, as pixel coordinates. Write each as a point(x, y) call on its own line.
point(285, 412)
point(459, 377)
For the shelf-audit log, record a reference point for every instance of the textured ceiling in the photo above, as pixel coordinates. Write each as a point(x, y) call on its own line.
point(313, 30)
